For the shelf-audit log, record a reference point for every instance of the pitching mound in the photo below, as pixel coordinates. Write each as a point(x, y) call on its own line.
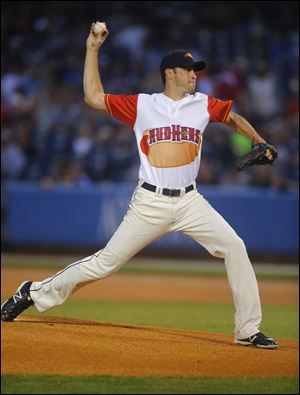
point(59, 346)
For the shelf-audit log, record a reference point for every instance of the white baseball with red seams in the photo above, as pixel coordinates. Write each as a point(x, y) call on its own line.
point(99, 27)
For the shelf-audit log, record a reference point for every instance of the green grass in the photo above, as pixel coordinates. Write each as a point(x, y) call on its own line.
point(278, 321)
point(17, 384)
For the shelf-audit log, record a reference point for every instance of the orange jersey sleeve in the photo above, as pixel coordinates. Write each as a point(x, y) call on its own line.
point(122, 107)
point(218, 110)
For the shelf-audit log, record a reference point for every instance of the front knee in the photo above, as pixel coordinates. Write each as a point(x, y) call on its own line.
point(236, 244)
point(228, 246)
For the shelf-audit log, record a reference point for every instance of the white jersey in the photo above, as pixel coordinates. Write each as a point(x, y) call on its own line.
point(169, 133)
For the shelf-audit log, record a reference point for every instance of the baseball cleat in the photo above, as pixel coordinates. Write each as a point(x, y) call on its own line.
point(258, 340)
point(17, 303)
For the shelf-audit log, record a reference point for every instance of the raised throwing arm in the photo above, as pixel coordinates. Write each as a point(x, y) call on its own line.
point(92, 86)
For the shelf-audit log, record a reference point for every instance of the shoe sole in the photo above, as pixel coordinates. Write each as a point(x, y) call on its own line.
point(271, 346)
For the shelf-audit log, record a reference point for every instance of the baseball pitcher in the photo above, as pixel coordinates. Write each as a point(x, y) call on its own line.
point(169, 129)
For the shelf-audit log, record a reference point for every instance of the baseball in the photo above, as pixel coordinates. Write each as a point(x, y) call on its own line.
point(98, 27)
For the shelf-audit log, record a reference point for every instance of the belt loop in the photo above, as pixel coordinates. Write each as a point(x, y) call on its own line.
point(182, 192)
point(158, 191)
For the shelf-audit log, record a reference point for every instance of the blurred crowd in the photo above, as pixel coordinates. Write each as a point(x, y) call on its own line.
point(51, 136)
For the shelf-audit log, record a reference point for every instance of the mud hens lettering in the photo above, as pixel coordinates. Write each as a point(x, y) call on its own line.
point(171, 146)
point(176, 133)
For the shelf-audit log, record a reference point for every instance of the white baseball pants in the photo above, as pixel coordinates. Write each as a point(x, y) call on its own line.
point(150, 216)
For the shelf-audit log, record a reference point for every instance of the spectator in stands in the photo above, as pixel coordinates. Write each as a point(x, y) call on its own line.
point(66, 173)
point(42, 87)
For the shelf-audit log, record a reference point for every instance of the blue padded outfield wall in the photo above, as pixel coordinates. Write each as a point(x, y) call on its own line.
point(266, 220)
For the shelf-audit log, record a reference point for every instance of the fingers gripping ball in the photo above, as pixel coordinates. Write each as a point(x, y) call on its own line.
point(261, 154)
point(99, 27)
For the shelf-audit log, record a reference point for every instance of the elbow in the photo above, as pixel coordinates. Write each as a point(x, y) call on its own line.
point(90, 101)
point(96, 101)
point(87, 100)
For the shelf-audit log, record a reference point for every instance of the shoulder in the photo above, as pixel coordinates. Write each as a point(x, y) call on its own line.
point(197, 99)
point(150, 98)
point(198, 96)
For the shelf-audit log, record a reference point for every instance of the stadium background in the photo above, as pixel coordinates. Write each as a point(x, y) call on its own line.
point(52, 141)
point(67, 173)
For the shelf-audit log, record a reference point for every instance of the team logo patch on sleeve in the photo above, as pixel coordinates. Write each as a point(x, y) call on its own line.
point(171, 146)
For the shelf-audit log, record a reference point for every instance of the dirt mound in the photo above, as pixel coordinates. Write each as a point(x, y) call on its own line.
point(52, 345)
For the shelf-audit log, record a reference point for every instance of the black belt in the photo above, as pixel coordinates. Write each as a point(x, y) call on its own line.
point(166, 191)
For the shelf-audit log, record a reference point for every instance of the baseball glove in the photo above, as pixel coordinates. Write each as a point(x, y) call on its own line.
point(257, 156)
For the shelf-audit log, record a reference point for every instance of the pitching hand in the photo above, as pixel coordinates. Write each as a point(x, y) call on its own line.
point(94, 41)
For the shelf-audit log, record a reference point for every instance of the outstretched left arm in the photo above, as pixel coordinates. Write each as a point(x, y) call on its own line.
point(243, 127)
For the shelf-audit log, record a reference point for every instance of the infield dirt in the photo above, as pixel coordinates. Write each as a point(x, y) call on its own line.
point(61, 346)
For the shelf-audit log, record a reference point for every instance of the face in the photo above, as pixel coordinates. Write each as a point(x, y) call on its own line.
point(184, 78)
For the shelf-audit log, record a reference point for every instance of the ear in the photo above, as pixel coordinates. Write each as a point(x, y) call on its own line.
point(169, 73)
